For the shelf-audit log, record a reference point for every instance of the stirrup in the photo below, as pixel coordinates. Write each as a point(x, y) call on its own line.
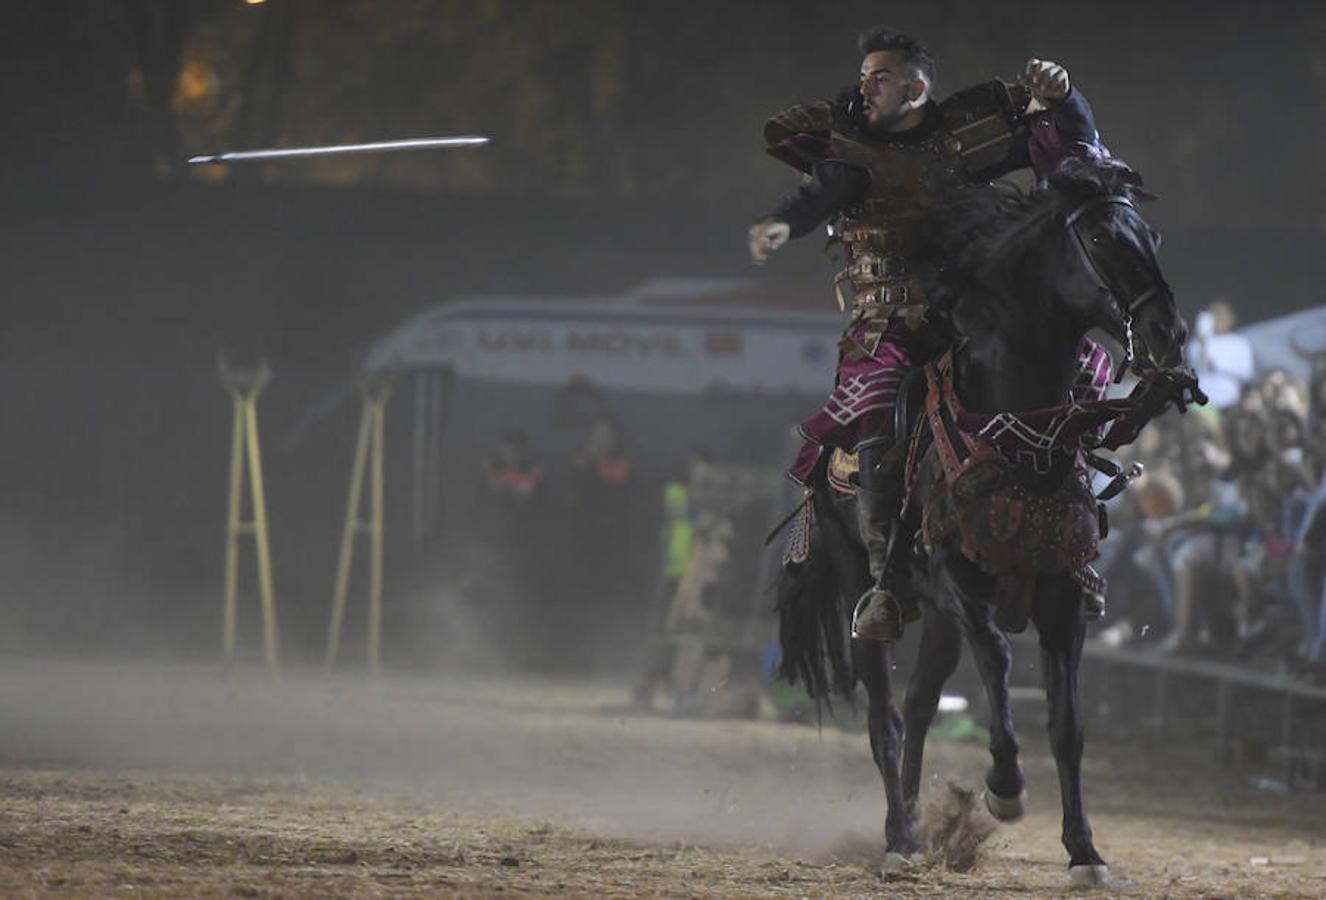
point(891, 631)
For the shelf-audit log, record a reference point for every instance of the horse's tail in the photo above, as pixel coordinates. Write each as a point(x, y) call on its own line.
point(812, 619)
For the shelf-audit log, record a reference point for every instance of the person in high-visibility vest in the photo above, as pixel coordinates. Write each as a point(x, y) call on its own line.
point(678, 535)
point(677, 548)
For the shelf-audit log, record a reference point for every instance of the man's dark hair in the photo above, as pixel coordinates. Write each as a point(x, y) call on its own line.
point(914, 53)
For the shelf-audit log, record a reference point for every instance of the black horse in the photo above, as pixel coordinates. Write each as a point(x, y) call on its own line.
point(1031, 275)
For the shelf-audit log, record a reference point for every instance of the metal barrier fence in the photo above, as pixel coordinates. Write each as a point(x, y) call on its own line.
point(1246, 716)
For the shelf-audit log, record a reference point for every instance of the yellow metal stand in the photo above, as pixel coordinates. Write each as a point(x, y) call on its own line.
point(369, 450)
point(244, 388)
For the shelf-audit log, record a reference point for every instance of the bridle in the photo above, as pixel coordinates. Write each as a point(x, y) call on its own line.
point(1124, 310)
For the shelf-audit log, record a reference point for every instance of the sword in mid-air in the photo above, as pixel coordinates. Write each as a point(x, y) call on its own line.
point(338, 149)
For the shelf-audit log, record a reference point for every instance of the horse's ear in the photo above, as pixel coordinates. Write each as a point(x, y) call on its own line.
point(1127, 175)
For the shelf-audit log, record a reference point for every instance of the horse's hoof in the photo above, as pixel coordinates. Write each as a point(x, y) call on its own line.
point(895, 862)
point(1005, 810)
point(1089, 876)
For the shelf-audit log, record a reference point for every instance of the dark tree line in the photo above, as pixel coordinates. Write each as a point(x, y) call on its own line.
point(651, 100)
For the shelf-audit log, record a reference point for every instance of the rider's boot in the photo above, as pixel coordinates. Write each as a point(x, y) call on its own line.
point(880, 613)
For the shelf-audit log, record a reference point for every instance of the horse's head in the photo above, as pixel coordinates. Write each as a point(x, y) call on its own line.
point(1110, 275)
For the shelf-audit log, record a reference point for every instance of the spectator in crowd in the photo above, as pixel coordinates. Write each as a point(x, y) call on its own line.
point(512, 479)
point(1275, 492)
point(1133, 558)
point(1222, 358)
point(1315, 431)
point(600, 512)
point(1308, 576)
point(1308, 564)
point(509, 514)
point(509, 560)
point(1203, 546)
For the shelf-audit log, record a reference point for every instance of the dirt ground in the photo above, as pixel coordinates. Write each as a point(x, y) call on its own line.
point(168, 781)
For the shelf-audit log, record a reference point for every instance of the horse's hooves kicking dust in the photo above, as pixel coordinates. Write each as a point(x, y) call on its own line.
point(895, 862)
point(954, 831)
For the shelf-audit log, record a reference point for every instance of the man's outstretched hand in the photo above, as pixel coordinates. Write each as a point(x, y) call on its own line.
point(1047, 80)
point(766, 237)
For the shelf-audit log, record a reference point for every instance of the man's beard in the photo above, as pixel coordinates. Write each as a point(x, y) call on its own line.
point(884, 124)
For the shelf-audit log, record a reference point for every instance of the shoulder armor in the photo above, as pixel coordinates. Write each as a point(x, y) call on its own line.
point(799, 136)
point(809, 119)
point(988, 121)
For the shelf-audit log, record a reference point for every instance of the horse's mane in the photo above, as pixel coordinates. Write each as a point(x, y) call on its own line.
point(1087, 176)
point(987, 224)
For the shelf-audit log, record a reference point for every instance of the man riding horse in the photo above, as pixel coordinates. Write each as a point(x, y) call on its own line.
point(879, 160)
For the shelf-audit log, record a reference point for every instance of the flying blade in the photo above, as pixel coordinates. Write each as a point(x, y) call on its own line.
point(337, 149)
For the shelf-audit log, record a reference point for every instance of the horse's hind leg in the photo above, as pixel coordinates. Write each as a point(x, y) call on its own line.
point(994, 660)
point(1059, 619)
point(936, 658)
point(871, 660)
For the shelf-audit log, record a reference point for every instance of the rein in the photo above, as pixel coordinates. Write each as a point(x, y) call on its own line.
point(1123, 311)
point(1035, 437)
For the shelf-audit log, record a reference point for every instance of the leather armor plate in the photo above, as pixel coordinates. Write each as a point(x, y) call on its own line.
point(989, 122)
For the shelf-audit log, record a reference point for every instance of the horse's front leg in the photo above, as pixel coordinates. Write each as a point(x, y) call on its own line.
point(871, 660)
point(1059, 619)
point(936, 659)
point(966, 588)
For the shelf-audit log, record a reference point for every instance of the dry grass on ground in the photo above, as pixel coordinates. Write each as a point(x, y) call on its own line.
point(168, 787)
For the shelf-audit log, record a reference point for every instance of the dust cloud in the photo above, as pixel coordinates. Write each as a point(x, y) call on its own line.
point(480, 745)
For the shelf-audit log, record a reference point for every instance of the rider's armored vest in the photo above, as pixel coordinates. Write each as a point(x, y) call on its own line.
point(976, 135)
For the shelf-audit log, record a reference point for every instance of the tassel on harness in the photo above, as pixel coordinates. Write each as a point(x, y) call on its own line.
point(787, 520)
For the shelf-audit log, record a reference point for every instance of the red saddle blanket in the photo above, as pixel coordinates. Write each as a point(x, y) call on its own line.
point(983, 498)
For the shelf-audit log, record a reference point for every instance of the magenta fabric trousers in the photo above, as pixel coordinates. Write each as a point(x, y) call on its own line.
point(865, 393)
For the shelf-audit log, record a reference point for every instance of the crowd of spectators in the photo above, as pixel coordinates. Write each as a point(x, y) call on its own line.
point(1219, 550)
